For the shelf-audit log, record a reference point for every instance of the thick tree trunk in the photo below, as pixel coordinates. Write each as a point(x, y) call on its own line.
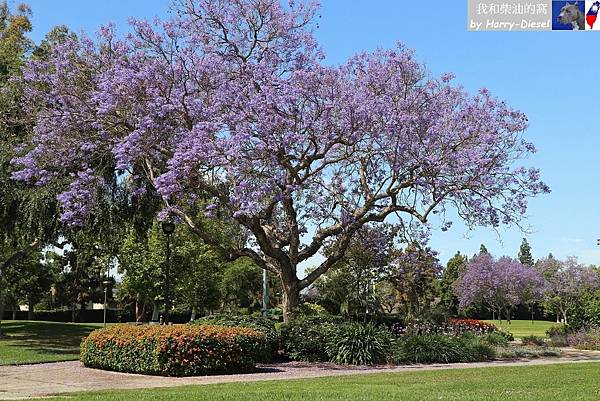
point(193, 316)
point(30, 310)
point(291, 297)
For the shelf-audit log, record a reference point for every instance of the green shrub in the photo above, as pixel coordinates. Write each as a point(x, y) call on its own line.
point(506, 334)
point(305, 338)
point(181, 350)
point(310, 309)
point(257, 323)
point(358, 344)
point(442, 349)
point(533, 340)
point(558, 335)
point(495, 339)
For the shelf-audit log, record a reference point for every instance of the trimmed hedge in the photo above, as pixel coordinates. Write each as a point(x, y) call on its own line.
point(174, 350)
point(258, 323)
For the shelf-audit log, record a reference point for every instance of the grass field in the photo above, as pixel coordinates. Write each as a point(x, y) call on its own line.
point(573, 382)
point(34, 342)
point(522, 328)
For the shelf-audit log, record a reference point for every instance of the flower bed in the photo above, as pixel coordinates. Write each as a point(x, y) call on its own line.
point(181, 350)
point(453, 327)
point(585, 338)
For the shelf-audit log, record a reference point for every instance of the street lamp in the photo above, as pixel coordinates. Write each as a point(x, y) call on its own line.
point(168, 228)
point(265, 298)
point(106, 284)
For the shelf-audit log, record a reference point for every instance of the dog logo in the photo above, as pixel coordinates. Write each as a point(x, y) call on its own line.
point(571, 16)
point(592, 14)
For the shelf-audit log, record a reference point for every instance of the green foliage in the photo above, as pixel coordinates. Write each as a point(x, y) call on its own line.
point(241, 285)
point(508, 336)
point(525, 253)
point(309, 309)
point(558, 335)
point(174, 350)
point(496, 339)
point(194, 278)
point(586, 312)
point(442, 349)
point(258, 323)
point(451, 273)
point(533, 340)
point(358, 344)
point(29, 279)
point(415, 278)
point(306, 338)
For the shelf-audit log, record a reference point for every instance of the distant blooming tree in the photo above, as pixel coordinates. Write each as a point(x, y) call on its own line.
point(415, 271)
point(230, 101)
point(568, 282)
point(499, 285)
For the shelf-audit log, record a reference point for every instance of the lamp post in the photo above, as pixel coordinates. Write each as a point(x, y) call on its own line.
point(106, 284)
point(168, 228)
point(265, 297)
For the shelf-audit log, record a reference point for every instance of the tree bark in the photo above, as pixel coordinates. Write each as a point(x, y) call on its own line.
point(291, 296)
point(193, 316)
point(30, 310)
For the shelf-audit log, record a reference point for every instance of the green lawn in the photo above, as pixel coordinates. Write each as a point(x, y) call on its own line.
point(573, 382)
point(522, 328)
point(34, 342)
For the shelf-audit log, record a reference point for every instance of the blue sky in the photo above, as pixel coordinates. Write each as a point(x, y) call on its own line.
point(551, 76)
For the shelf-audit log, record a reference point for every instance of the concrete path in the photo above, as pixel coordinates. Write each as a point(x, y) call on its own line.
point(42, 380)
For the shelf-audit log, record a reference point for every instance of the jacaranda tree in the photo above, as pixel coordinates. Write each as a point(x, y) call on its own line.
point(231, 101)
point(499, 285)
point(568, 283)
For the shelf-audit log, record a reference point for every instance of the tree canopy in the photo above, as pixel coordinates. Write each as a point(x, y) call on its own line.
point(232, 101)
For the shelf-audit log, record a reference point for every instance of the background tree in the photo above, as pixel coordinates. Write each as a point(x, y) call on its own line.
point(414, 274)
point(500, 285)
point(450, 275)
point(568, 282)
point(349, 286)
point(525, 253)
point(483, 249)
point(28, 218)
point(232, 99)
point(30, 280)
point(241, 286)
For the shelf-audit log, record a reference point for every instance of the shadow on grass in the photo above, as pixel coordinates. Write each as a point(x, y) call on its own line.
point(45, 337)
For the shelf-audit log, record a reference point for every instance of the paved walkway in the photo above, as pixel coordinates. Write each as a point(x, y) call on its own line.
point(29, 381)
